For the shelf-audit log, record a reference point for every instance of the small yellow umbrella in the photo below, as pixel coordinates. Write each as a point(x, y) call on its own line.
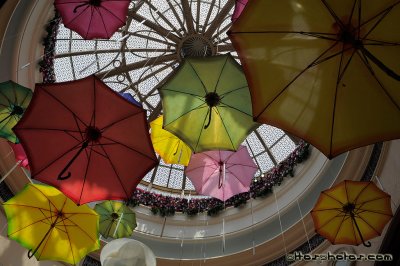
point(352, 212)
point(50, 225)
point(168, 146)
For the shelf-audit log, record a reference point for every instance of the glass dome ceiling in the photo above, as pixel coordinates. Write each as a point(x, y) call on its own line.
point(143, 54)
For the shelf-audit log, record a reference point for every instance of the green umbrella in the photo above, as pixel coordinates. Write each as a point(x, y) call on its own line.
point(207, 103)
point(116, 219)
point(14, 99)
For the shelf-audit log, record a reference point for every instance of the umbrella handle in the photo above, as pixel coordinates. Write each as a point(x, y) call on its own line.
point(78, 6)
point(109, 228)
point(209, 118)
point(366, 244)
point(380, 64)
point(177, 147)
point(30, 253)
point(221, 178)
point(61, 175)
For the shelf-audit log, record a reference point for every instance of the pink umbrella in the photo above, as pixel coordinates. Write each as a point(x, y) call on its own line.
point(20, 158)
point(221, 174)
point(239, 6)
point(20, 155)
point(93, 18)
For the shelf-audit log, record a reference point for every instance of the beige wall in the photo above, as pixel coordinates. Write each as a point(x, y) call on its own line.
point(11, 253)
point(5, 14)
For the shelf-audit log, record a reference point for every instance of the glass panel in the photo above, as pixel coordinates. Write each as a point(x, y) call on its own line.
point(283, 148)
point(270, 134)
point(255, 144)
point(148, 176)
point(176, 179)
point(189, 184)
point(162, 176)
point(264, 162)
point(63, 69)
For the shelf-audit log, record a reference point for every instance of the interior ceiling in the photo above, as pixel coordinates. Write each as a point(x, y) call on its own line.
point(143, 54)
point(77, 59)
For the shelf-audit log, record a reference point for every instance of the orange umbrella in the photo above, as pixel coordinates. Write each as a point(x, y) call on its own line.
point(352, 212)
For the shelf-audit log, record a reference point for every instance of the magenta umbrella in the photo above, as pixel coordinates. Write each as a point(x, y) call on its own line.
point(93, 18)
point(221, 174)
point(239, 6)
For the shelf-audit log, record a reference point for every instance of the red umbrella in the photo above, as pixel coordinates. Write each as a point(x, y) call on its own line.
point(239, 6)
point(221, 174)
point(93, 18)
point(87, 140)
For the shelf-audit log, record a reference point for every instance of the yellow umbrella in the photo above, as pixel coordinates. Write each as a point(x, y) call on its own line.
point(50, 225)
point(168, 146)
point(325, 71)
point(352, 212)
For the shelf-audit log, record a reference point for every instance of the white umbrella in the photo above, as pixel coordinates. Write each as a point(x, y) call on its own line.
point(127, 252)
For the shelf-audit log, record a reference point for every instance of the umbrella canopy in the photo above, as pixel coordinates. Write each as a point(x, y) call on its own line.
point(127, 252)
point(14, 99)
point(130, 98)
point(351, 212)
point(221, 174)
point(93, 18)
point(20, 155)
point(168, 146)
point(325, 71)
point(207, 104)
point(53, 227)
point(116, 219)
point(239, 6)
point(92, 139)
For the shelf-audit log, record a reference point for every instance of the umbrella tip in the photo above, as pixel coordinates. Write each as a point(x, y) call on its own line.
point(212, 99)
point(95, 2)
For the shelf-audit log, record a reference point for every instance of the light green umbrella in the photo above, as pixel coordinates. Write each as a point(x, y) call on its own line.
point(116, 219)
point(207, 103)
point(14, 99)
